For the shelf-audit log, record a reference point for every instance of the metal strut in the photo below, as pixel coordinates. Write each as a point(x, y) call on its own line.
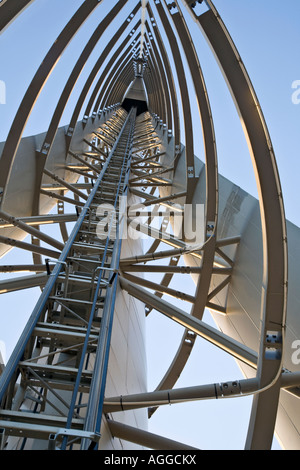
point(61, 358)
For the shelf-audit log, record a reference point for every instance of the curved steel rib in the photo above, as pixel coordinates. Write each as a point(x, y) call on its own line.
point(274, 289)
point(203, 286)
point(36, 85)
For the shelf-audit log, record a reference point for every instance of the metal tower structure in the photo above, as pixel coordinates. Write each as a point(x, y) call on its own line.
point(76, 378)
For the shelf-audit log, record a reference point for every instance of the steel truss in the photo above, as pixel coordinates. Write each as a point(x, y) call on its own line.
point(53, 387)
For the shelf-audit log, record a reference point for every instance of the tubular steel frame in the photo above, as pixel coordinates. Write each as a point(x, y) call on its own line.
point(119, 142)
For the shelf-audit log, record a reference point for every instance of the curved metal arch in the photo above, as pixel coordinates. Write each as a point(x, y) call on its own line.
point(43, 72)
point(163, 78)
point(88, 49)
point(112, 68)
point(274, 288)
point(50, 135)
point(189, 146)
point(153, 78)
point(10, 10)
point(104, 55)
point(153, 99)
point(157, 87)
point(152, 81)
point(64, 97)
point(199, 305)
point(116, 95)
point(211, 163)
point(117, 68)
point(170, 78)
point(89, 82)
point(159, 76)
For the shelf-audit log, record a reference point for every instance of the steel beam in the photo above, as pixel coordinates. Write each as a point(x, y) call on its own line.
point(25, 282)
point(212, 335)
point(31, 230)
point(145, 438)
point(43, 219)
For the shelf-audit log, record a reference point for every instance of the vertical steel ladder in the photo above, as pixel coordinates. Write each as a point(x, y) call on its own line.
point(53, 385)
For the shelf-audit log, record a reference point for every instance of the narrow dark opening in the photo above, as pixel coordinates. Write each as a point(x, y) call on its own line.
point(141, 106)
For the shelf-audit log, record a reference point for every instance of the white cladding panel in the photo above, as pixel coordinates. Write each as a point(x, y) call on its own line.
point(239, 215)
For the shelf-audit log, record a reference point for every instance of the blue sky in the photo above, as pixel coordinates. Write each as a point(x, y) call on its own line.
point(267, 35)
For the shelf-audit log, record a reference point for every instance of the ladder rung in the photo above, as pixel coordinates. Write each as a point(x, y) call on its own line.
point(63, 334)
point(88, 246)
point(34, 425)
point(81, 280)
point(76, 301)
point(58, 377)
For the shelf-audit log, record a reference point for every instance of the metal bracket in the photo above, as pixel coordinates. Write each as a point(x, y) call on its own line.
point(63, 432)
point(230, 388)
point(273, 345)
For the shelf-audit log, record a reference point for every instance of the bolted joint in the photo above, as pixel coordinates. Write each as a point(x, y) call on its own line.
point(226, 389)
